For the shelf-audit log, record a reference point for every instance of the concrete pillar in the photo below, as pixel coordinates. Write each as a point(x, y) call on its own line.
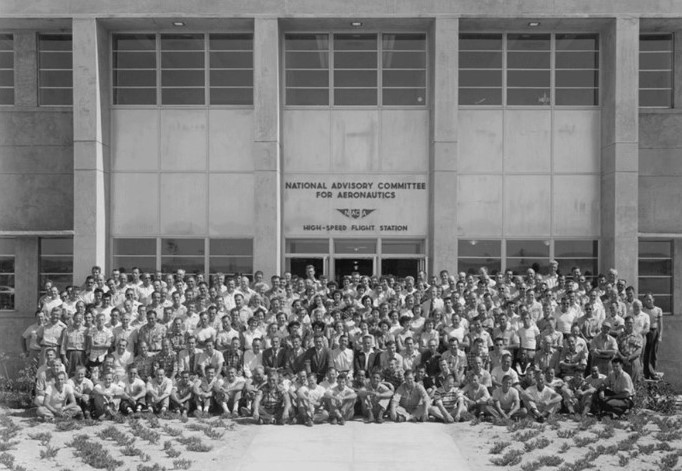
point(619, 150)
point(677, 276)
point(266, 147)
point(26, 270)
point(677, 68)
point(25, 70)
point(443, 155)
point(91, 145)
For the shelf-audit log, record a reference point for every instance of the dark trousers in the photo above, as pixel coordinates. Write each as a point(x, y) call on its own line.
point(650, 353)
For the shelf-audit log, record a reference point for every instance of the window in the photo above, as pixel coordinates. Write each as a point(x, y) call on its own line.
point(532, 69)
point(6, 274)
point(576, 71)
point(129, 253)
point(656, 70)
point(6, 69)
point(655, 271)
point(474, 254)
point(182, 69)
point(55, 78)
point(182, 253)
point(577, 253)
point(519, 255)
point(134, 69)
point(480, 69)
point(231, 62)
point(56, 262)
point(349, 69)
point(229, 256)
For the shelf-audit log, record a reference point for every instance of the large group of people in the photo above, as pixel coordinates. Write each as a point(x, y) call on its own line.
point(303, 349)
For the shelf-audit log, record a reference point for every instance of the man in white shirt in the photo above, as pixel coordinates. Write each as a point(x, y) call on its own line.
point(342, 357)
point(542, 401)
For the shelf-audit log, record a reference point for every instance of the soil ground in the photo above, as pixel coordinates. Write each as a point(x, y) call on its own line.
point(643, 442)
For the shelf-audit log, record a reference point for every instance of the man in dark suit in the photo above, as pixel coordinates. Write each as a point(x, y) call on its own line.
point(317, 358)
point(367, 358)
point(294, 358)
point(275, 356)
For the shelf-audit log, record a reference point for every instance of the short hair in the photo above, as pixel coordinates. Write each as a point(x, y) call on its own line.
point(617, 360)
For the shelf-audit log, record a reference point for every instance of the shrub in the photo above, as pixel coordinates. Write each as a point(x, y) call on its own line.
point(564, 448)
point(566, 433)
point(657, 396)
point(173, 432)
point(93, 453)
point(498, 447)
point(583, 441)
point(539, 444)
point(526, 435)
point(182, 464)
point(511, 458)
point(49, 453)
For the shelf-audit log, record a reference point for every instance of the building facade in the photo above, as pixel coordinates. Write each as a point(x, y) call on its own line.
point(380, 137)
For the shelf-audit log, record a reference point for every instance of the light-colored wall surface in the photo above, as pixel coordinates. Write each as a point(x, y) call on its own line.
point(660, 172)
point(355, 145)
point(182, 172)
point(528, 173)
point(36, 170)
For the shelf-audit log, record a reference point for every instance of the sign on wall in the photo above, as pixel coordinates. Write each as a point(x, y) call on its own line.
point(355, 205)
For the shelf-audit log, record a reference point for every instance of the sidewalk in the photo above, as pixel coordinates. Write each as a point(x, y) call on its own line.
point(353, 447)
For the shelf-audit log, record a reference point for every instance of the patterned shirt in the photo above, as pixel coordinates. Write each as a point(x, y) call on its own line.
point(272, 397)
point(629, 343)
point(152, 336)
point(449, 397)
point(167, 361)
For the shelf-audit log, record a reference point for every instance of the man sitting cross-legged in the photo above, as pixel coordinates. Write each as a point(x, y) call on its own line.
point(59, 400)
point(159, 390)
point(310, 402)
point(229, 392)
point(505, 402)
point(375, 398)
point(134, 392)
point(449, 401)
point(542, 400)
point(181, 394)
point(272, 402)
point(410, 401)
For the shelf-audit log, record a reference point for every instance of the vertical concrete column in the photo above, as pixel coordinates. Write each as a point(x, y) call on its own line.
point(25, 70)
point(677, 276)
point(443, 152)
point(26, 269)
point(677, 70)
point(266, 147)
point(91, 145)
point(619, 147)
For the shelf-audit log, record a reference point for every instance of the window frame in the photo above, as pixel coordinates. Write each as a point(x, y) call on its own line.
point(380, 50)
point(159, 255)
point(11, 51)
point(504, 257)
point(40, 69)
point(13, 274)
point(504, 88)
point(641, 293)
point(159, 70)
point(51, 275)
point(671, 71)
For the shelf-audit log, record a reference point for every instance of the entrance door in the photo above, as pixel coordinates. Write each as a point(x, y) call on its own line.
point(346, 266)
point(297, 265)
point(401, 267)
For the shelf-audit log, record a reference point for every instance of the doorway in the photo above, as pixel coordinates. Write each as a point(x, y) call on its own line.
point(346, 266)
point(297, 265)
point(401, 267)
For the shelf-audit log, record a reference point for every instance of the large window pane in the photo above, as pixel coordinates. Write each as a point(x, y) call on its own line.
point(55, 84)
point(134, 246)
point(145, 264)
point(527, 248)
point(6, 69)
point(182, 247)
point(656, 70)
point(473, 265)
point(189, 264)
point(231, 247)
point(231, 64)
point(479, 248)
point(656, 271)
point(402, 246)
point(307, 69)
point(355, 246)
point(307, 245)
point(7, 274)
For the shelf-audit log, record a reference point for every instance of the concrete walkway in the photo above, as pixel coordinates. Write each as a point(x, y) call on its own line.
point(353, 447)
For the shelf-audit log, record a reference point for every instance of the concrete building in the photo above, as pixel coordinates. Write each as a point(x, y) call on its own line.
point(380, 136)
